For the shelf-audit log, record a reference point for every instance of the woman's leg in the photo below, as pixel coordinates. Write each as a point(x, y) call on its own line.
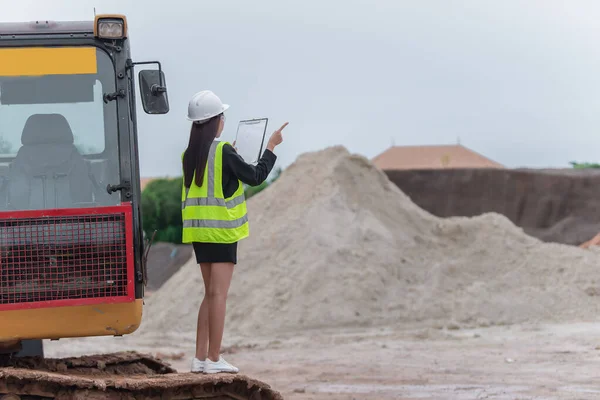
point(220, 278)
point(202, 330)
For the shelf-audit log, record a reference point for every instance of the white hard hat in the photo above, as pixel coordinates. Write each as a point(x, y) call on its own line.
point(204, 105)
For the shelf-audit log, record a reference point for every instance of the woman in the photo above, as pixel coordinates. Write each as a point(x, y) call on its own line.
point(214, 216)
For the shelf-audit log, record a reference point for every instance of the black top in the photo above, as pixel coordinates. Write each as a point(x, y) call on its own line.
point(234, 168)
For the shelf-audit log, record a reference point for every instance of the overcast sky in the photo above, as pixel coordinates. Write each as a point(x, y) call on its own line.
point(516, 80)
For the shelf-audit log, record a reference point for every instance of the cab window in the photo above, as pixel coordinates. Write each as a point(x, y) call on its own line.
point(58, 137)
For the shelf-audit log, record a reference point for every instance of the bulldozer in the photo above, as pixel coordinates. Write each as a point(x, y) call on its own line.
point(72, 250)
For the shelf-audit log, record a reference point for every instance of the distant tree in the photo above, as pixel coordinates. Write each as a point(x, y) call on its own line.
point(161, 210)
point(584, 165)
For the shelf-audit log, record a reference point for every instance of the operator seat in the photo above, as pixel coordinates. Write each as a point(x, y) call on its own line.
point(48, 171)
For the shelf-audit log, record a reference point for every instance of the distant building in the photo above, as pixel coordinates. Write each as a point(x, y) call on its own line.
point(432, 157)
point(145, 181)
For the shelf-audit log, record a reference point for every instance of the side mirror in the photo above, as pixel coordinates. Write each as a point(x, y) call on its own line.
point(153, 89)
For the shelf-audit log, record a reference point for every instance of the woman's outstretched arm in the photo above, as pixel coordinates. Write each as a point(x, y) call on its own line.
point(248, 173)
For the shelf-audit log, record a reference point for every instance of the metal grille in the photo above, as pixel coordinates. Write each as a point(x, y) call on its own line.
point(63, 258)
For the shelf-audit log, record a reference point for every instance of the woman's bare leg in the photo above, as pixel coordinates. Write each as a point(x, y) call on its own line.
point(220, 279)
point(202, 330)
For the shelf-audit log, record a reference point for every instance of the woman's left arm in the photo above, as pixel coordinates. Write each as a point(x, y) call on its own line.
point(248, 173)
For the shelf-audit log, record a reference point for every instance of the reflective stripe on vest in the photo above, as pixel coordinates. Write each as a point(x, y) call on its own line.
point(205, 201)
point(211, 223)
point(208, 216)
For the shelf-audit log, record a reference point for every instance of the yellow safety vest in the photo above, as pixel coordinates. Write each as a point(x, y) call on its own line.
point(207, 215)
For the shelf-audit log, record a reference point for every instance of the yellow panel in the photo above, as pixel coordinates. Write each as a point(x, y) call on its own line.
point(64, 322)
point(37, 61)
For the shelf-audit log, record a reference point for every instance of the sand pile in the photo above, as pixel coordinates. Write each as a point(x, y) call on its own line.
point(335, 243)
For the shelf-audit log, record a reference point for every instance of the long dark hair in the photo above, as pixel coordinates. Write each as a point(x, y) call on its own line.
point(195, 157)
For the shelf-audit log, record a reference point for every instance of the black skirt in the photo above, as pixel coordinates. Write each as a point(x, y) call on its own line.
point(215, 252)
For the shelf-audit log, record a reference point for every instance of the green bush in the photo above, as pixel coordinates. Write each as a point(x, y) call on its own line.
point(161, 210)
point(584, 165)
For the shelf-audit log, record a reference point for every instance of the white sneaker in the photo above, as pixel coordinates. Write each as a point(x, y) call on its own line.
point(198, 365)
point(212, 367)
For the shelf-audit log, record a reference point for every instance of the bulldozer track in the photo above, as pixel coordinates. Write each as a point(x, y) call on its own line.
point(121, 376)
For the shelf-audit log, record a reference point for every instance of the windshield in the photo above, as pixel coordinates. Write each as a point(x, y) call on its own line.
point(58, 137)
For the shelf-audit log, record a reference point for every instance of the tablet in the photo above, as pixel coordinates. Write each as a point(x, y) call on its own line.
point(250, 139)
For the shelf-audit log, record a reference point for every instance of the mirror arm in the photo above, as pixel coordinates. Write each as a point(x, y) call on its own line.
point(155, 89)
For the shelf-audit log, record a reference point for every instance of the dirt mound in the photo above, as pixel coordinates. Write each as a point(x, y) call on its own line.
point(557, 205)
point(335, 243)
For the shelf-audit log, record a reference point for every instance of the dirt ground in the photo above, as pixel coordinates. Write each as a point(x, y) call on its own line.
point(518, 362)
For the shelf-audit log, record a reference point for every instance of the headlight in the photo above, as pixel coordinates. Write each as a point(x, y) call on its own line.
point(110, 27)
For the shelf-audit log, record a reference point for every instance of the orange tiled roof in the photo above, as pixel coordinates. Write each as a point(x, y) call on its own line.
point(595, 241)
point(145, 181)
point(432, 157)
